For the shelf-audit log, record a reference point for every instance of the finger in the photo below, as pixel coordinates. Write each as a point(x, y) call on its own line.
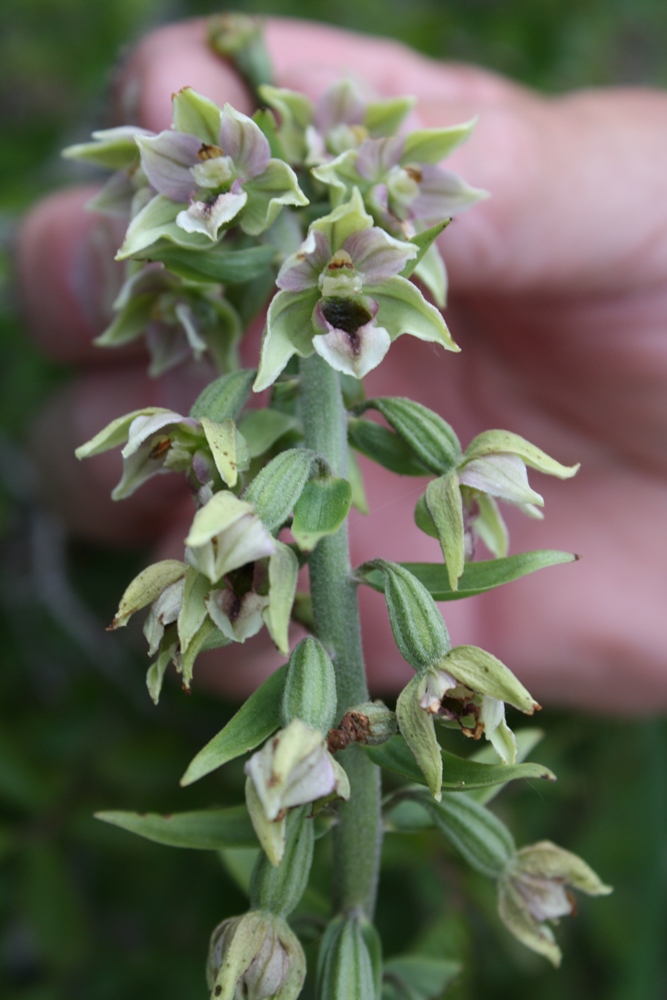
point(67, 276)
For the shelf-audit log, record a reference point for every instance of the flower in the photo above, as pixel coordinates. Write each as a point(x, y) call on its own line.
point(461, 504)
point(399, 178)
point(342, 295)
point(226, 533)
point(255, 957)
point(158, 440)
point(533, 892)
point(180, 320)
point(293, 768)
point(219, 165)
point(341, 119)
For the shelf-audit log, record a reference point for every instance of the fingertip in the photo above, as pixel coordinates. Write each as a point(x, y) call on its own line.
point(167, 60)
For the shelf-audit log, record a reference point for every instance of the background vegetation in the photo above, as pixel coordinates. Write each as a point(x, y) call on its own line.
point(89, 912)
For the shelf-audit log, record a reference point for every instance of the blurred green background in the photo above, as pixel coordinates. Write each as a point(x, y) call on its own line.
point(89, 912)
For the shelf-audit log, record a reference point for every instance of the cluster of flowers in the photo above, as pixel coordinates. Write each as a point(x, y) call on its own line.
point(211, 204)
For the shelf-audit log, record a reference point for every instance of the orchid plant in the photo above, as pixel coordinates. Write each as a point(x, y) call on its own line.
point(337, 206)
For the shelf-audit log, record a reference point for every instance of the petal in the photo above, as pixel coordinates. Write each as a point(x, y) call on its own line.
point(167, 159)
point(186, 318)
point(430, 145)
point(377, 157)
point(243, 140)
point(238, 618)
point(156, 221)
point(502, 476)
point(403, 309)
point(302, 269)
point(289, 330)
point(442, 195)
point(344, 220)
point(494, 442)
point(496, 730)
point(377, 254)
point(207, 218)
point(342, 102)
point(356, 353)
point(144, 426)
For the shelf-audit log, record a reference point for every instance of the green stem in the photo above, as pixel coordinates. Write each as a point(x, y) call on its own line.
point(359, 830)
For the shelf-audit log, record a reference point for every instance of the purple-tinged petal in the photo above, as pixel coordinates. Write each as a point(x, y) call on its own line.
point(442, 194)
point(167, 159)
point(207, 217)
point(302, 269)
point(378, 156)
point(340, 103)
point(245, 142)
point(143, 427)
point(377, 255)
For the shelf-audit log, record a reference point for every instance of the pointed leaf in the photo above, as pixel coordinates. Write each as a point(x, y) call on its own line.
point(223, 441)
point(384, 118)
point(526, 741)
point(423, 242)
point(115, 434)
point(459, 774)
point(196, 114)
point(320, 510)
point(225, 397)
point(432, 272)
point(219, 265)
point(478, 577)
point(289, 330)
point(254, 722)
point(205, 830)
point(421, 976)
point(130, 322)
point(193, 609)
point(481, 671)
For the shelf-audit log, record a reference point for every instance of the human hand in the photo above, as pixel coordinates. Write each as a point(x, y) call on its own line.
point(558, 300)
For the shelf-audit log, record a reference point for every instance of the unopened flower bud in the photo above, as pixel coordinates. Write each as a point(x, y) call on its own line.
point(255, 957)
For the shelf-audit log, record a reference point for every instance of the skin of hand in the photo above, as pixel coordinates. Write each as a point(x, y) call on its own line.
point(558, 300)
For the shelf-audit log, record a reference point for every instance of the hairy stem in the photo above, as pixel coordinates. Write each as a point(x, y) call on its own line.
point(359, 831)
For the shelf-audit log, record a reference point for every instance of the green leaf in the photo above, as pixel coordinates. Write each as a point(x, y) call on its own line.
point(526, 741)
point(429, 436)
point(289, 330)
point(228, 448)
point(479, 836)
point(219, 265)
point(254, 722)
point(204, 830)
point(431, 145)
point(418, 977)
point(478, 577)
point(460, 774)
point(423, 242)
point(296, 113)
point(263, 428)
point(320, 510)
point(384, 447)
point(206, 637)
point(277, 488)
point(225, 397)
point(112, 148)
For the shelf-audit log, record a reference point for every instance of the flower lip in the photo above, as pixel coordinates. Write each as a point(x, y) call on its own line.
point(347, 314)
